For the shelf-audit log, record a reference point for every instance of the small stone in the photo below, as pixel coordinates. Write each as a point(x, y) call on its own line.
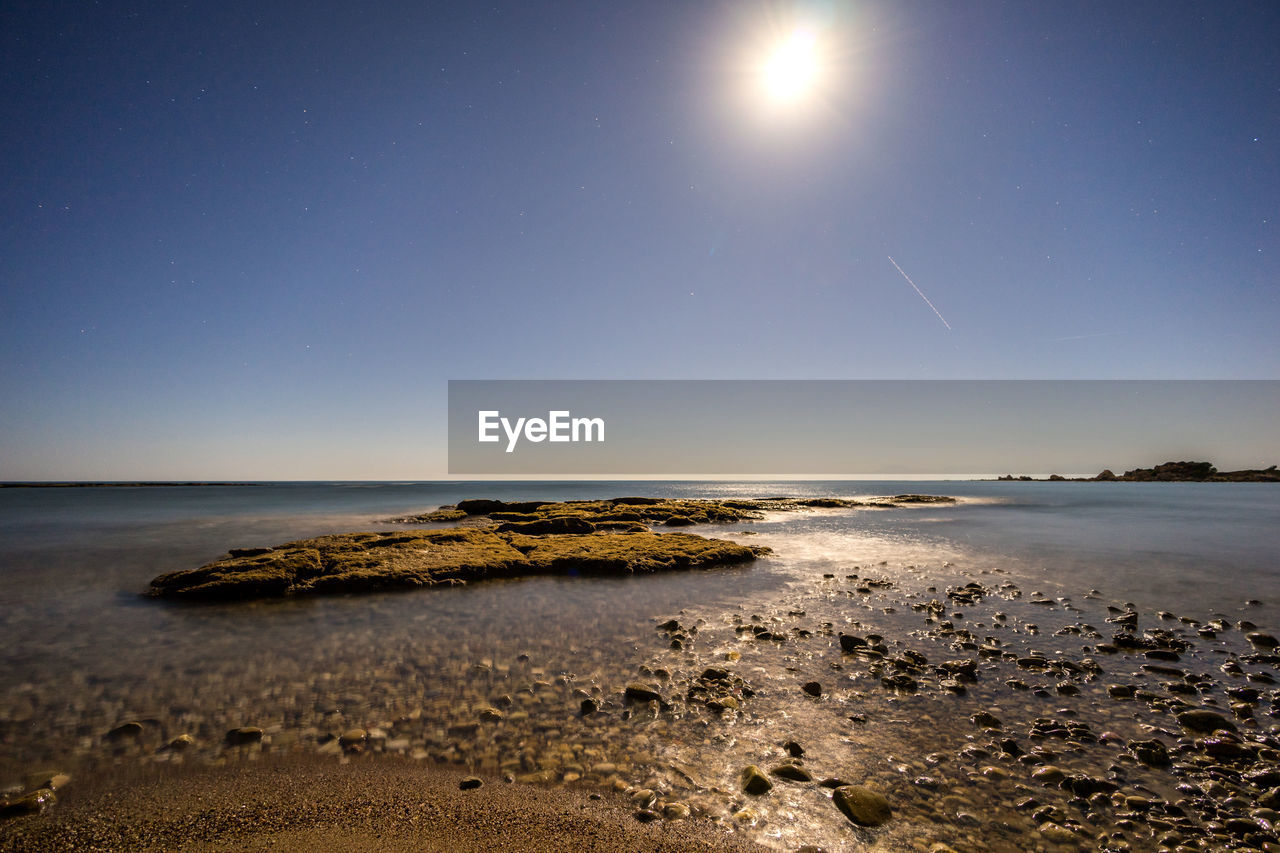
point(589, 707)
point(793, 749)
point(1261, 640)
point(851, 643)
point(181, 742)
point(33, 803)
point(470, 783)
point(900, 681)
point(244, 735)
point(490, 715)
point(675, 811)
point(793, 772)
point(754, 781)
point(862, 805)
point(644, 798)
point(637, 692)
point(647, 815)
point(1049, 775)
point(352, 738)
point(812, 688)
point(984, 720)
point(1204, 721)
point(1057, 834)
point(1150, 752)
point(131, 730)
point(1086, 786)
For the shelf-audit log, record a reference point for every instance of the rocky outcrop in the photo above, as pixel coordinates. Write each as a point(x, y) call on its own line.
point(1199, 472)
point(671, 512)
point(366, 562)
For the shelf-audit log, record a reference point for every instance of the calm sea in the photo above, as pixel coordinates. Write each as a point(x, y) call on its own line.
point(74, 560)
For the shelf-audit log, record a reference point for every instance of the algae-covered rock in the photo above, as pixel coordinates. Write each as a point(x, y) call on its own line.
point(672, 512)
point(364, 562)
point(754, 781)
point(554, 524)
point(482, 506)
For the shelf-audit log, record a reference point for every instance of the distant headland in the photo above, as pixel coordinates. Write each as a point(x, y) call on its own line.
point(1170, 472)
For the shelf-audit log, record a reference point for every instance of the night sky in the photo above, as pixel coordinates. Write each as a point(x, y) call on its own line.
point(254, 240)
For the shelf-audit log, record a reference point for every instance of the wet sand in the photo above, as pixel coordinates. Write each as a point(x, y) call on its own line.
point(372, 803)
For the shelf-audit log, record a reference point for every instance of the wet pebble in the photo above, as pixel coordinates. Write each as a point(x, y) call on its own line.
point(862, 805)
point(754, 781)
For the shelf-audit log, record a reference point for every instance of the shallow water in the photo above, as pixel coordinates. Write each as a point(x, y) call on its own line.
point(82, 652)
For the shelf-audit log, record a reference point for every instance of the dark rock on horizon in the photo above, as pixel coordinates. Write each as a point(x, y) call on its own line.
point(1171, 472)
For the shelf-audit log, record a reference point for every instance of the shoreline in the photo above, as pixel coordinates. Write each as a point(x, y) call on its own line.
point(371, 803)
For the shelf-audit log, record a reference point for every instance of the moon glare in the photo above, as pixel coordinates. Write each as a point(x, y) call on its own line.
point(791, 70)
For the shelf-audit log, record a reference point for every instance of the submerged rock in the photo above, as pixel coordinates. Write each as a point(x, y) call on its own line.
point(131, 730)
point(27, 804)
point(792, 772)
point(1204, 721)
point(638, 692)
point(862, 805)
point(1262, 641)
point(243, 736)
point(754, 781)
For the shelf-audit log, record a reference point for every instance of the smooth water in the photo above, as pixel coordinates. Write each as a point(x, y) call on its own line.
point(1155, 543)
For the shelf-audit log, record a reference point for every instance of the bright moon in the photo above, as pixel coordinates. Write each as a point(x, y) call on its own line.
point(791, 71)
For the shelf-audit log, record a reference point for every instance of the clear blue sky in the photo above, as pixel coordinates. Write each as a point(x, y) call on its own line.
point(254, 240)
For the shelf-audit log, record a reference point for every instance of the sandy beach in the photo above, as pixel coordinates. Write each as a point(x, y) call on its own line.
point(372, 803)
